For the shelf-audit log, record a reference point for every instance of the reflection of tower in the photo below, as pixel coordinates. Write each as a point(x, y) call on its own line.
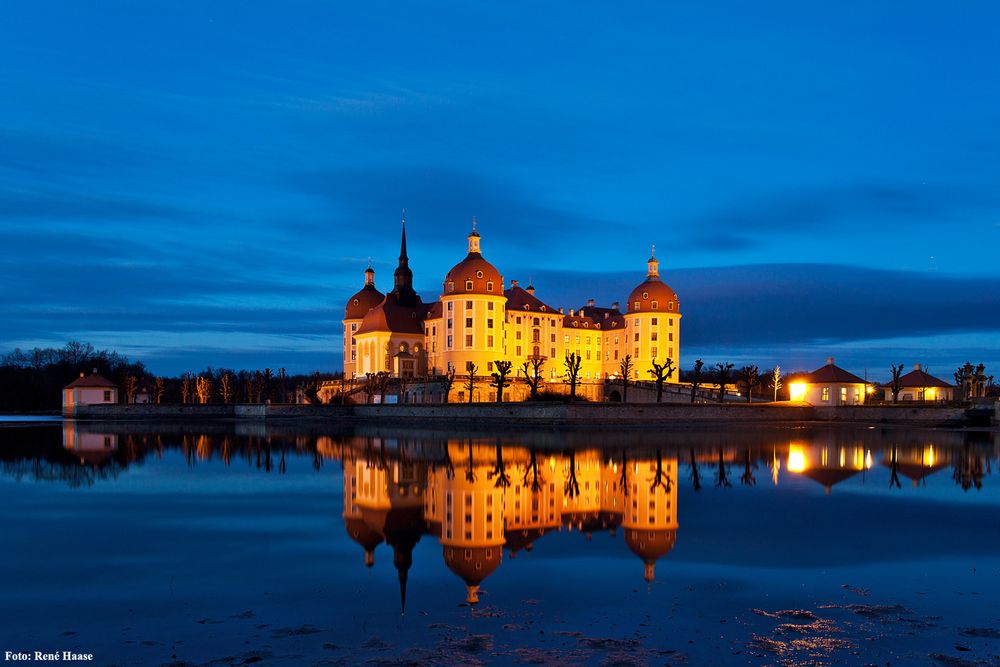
point(582, 489)
point(650, 517)
point(353, 520)
point(472, 530)
point(391, 501)
point(827, 463)
point(533, 502)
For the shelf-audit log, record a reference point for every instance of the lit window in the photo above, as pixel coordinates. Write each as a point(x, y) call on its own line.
point(468, 340)
point(468, 285)
point(489, 306)
point(468, 305)
point(635, 306)
point(653, 305)
point(489, 287)
point(654, 321)
point(468, 322)
point(489, 324)
point(826, 394)
point(489, 343)
point(670, 305)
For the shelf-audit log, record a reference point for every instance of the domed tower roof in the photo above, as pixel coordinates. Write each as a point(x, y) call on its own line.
point(651, 290)
point(365, 299)
point(361, 533)
point(475, 270)
point(473, 564)
point(650, 545)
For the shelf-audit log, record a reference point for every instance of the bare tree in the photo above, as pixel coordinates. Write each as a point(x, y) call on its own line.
point(696, 378)
point(470, 383)
point(370, 386)
point(204, 388)
point(187, 388)
point(661, 373)
point(131, 388)
point(500, 377)
point(775, 381)
point(532, 370)
point(572, 364)
point(159, 390)
point(226, 388)
point(896, 384)
point(268, 377)
point(750, 377)
point(404, 382)
point(625, 370)
point(724, 371)
point(448, 381)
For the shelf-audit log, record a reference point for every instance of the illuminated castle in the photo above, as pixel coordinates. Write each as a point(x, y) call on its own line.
point(478, 319)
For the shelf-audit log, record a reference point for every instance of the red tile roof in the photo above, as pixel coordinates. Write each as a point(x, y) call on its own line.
point(95, 379)
point(918, 378)
point(519, 298)
point(831, 374)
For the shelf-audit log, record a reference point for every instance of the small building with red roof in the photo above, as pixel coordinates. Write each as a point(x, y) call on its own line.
point(919, 385)
point(93, 389)
point(827, 385)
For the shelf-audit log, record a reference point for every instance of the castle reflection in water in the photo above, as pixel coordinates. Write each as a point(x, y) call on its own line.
point(481, 496)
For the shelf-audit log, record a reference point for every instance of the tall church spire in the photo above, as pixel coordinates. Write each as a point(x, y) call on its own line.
point(403, 276)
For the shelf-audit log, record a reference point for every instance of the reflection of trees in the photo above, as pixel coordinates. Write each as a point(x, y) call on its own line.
point(572, 487)
point(660, 478)
point(695, 475)
point(500, 470)
point(722, 476)
point(532, 470)
point(747, 478)
point(470, 471)
point(894, 468)
point(623, 478)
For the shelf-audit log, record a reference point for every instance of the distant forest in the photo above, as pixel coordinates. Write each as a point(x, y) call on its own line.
point(32, 380)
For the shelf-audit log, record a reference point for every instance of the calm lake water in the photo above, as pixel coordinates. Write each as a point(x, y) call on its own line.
point(195, 544)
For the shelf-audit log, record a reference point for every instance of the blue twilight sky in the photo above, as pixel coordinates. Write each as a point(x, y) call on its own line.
point(202, 183)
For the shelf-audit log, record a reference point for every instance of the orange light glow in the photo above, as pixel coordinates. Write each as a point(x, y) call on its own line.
point(796, 458)
point(797, 391)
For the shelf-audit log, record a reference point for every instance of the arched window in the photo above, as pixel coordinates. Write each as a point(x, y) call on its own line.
point(451, 286)
point(489, 286)
point(468, 285)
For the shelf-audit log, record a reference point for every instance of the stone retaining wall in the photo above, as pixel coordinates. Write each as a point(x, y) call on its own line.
point(542, 413)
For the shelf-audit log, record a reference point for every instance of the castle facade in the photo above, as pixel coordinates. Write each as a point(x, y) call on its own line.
point(478, 320)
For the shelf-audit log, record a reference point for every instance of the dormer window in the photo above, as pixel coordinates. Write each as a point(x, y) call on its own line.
point(635, 306)
point(489, 285)
point(670, 305)
point(653, 305)
point(451, 286)
point(542, 309)
point(468, 285)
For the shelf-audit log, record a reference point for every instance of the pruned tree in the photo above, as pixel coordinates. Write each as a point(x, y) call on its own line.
point(532, 370)
point(159, 390)
point(724, 371)
point(403, 383)
point(500, 377)
point(572, 363)
point(750, 377)
point(448, 381)
point(370, 386)
point(268, 377)
point(896, 384)
point(187, 388)
point(775, 381)
point(661, 373)
point(696, 378)
point(382, 380)
point(625, 370)
point(470, 382)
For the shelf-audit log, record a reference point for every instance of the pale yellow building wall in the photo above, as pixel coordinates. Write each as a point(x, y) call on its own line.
point(652, 335)
point(648, 507)
point(350, 347)
point(473, 326)
point(519, 337)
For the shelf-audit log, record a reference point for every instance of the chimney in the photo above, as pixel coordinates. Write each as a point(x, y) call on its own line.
point(829, 361)
point(916, 367)
point(560, 311)
point(95, 371)
point(513, 283)
point(605, 316)
point(571, 312)
point(614, 305)
point(81, 373)
point(591, 303)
